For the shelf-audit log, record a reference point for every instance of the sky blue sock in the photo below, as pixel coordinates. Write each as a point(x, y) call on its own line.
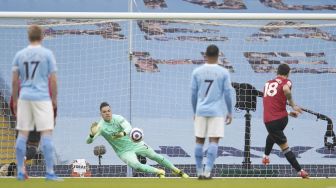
point(199, 159)
point(211, 157)
point(47, 148)
point(20, 148)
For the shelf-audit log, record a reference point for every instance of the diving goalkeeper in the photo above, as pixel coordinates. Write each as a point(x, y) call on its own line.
point(115, 129)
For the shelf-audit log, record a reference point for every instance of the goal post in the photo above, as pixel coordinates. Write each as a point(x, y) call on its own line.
point(168, 16)
point(141, 63)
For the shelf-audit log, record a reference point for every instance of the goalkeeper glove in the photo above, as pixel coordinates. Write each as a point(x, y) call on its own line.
point(118, 134)
point(89, 140)
point(93, 129)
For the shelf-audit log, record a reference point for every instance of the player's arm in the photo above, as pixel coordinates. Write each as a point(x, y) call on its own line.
point(94, 132)
point(126, 126)
point(53, 87)
point(52, 76)
point(228, 98)
point(15, 83)
point(288, 94)
point(194, 89)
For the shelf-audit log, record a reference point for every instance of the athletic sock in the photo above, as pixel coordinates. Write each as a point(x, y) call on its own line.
point(47, 148)
point(292, 159)
point(199, 159)
point(20, 148)
point(211, 157)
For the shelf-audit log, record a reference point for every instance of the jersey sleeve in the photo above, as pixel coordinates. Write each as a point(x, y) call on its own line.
point(289, 83)
point(228, 92)
point(125, 125)
point(194, 89)
point(15, 63)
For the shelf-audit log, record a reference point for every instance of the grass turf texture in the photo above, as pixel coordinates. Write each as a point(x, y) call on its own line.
point(170, 183)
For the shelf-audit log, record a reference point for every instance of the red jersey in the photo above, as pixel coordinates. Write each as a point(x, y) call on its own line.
point(274, 99)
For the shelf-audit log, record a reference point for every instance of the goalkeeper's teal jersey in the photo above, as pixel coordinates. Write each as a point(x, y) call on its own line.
point(116, 125)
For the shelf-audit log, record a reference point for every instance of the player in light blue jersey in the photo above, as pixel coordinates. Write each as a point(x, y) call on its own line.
point(210, 93)
point(32, 67)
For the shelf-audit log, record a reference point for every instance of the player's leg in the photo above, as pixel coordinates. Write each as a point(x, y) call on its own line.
point(200, 128)
point(44, 120)
point(215, 132)
point(31, 147)
point(142, 160)
point(211, 156)
point(268, 148)
point(199, 156)
point(269, 142)
point(130, 158)
point(48, 151)
point(24, 125)
point(146, 151)
point(290, 156)
point(281, 140)
point(20, 148)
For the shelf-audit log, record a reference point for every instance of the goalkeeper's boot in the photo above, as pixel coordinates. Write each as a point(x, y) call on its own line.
point(182, 174)
point(303, 174)
point(53, 177)
point(265, 160)
point(161, 173)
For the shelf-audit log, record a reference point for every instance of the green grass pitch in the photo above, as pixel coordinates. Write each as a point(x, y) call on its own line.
point(171, 183)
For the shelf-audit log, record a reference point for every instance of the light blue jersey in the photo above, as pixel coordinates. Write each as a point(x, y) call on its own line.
point(35, 64)
point(211, 90)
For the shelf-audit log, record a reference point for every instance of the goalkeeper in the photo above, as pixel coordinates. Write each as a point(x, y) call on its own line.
point(115, 129)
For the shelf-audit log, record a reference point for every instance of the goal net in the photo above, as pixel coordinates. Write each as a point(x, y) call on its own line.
point(142, 67)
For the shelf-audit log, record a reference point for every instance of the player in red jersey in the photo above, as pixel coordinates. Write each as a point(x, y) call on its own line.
point(276, 94)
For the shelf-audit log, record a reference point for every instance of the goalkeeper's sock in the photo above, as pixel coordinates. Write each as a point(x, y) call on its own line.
point(20, 148)
point(211, 157)
point(199, 159)
point(47, 148)
point(148, 169)
point(269, 145)
point(292, 159)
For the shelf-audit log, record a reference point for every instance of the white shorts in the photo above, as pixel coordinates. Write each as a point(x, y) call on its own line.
point(34, 113)
point(209, 127)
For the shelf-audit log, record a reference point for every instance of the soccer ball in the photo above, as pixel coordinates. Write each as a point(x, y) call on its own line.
point(136, 134)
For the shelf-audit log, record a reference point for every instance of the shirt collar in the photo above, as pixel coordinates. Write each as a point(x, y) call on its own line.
point(34, 46)
point(208, 64)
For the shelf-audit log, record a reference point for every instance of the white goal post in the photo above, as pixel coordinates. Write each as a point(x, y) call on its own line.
point(169, 16)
